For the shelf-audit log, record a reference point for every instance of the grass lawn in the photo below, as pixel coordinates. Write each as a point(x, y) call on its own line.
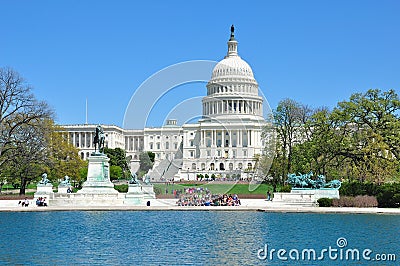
point(221, 188)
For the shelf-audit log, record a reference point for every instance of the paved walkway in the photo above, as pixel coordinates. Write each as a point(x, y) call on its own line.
point(170, 204)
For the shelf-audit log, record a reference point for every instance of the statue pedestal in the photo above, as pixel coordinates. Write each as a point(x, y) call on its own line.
point(44, 190)
point(134, 196)
point(148, 192)
point(63, 189)
point(98, 177)
point(305, 197)
point(139, 194)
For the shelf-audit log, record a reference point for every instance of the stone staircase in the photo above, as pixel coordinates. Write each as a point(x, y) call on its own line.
point(167, 169)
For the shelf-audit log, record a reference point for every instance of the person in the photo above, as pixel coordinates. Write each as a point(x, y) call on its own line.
point(26, 202)
point(268, 195)
point(42, 202)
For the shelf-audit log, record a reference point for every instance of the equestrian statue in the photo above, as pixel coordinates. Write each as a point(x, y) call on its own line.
point(98, 140)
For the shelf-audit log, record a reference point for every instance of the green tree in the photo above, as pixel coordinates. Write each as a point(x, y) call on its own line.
point(370, 126)
point(358, 140)
point(146, 160)
point(115, 172)
point(65, 160)
point(118, 158)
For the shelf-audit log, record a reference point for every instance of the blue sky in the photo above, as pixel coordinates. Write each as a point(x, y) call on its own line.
point(315, 52)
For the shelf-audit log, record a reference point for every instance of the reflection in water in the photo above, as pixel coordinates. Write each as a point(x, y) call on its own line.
point(178, 237)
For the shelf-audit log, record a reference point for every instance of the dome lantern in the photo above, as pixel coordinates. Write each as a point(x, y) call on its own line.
point(232, 44)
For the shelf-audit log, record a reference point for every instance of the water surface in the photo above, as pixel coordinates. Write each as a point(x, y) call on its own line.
point(186, 238)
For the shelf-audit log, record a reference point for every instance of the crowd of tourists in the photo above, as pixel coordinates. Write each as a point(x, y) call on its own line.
point(203, 197)
point(41, 201)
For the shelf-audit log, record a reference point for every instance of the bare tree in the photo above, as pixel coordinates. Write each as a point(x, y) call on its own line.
point(23, 131)
point(18, 109)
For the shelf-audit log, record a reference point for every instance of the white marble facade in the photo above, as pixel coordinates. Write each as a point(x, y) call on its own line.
point(226, 138)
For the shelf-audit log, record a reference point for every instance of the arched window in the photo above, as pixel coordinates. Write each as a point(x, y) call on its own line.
point(193, 166)
point(221, 166)
point(212, 166)
point(203, 166)
point(230, 166)
point(249, 165)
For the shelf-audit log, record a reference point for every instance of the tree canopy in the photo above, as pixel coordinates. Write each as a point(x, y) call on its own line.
point(358, 140)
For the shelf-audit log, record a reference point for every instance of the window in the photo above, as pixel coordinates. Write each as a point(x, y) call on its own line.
point(158, 145)
point(192, 154)
point(244, 153)
point(176, 146)
point(208, 153)
point(191, 143)
point(193, 166)
point(151, 145)
point(167, 145)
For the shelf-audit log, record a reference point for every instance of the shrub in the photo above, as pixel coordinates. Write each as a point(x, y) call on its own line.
point(157, 190)
point(325, 202)
point(387, 195)
point(365, 201)
point(286, 188)
point(121, 188)
point(358, 201)
point(344, 201)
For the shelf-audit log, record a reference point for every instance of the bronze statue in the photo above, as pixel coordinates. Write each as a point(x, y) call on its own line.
point(306, 181)
point(44, 180)
point(134, 180)
point(99, 139)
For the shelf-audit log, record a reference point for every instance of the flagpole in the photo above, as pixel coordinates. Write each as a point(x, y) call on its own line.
point(86, 120)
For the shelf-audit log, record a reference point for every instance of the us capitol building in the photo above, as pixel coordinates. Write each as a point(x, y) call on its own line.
point(224, 142)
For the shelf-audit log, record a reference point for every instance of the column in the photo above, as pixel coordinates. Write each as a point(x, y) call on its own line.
point(222, 138)
point(213, 138)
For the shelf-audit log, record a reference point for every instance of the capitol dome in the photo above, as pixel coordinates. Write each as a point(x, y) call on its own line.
point(232, 90)
point(232, 67)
